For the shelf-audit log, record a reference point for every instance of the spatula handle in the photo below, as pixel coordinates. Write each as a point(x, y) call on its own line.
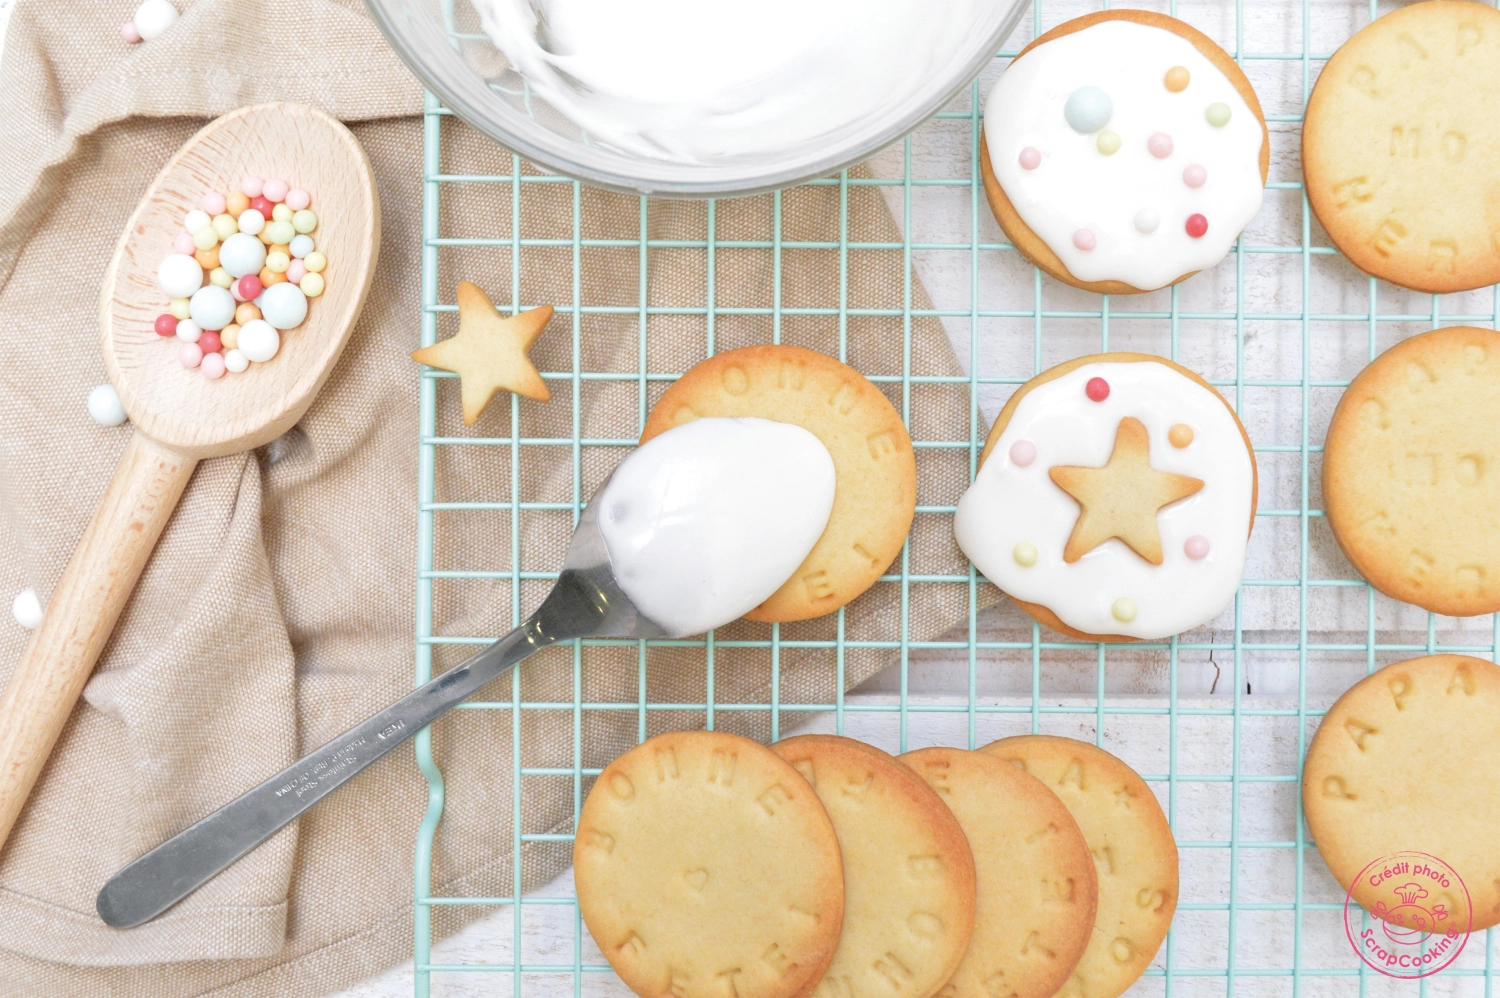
point(89, 597)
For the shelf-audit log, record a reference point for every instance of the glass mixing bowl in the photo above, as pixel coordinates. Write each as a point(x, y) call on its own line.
point(440, 40)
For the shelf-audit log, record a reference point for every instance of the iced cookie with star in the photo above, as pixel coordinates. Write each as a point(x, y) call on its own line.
point(489, 352)
point(1124, 151)
point(1114, 499)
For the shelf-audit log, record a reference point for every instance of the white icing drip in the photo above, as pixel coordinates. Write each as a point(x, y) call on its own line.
point(1008, 505)
point(692, 81)
point(1076, 186)
point(704, 522)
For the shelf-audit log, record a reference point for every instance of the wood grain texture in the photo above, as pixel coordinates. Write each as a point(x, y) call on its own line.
point(180, 416)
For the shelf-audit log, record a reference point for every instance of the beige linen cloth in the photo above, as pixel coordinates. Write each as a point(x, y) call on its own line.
point(280, 605)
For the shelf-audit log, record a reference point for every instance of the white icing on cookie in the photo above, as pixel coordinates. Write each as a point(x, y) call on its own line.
point(1010, 505)
point(1077, 187)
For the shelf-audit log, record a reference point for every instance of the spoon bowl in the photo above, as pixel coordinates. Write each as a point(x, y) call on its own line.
point(180, 416)
point(178, 406)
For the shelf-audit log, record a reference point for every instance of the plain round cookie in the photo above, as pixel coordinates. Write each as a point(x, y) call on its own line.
point(1405, 760)
point(1020, 234)
point(1036, 611)
point(1411, 471)
point(875, 498)
point(705, 867)
point(1134, 852)
point(1037, 886)
point(1400, 142)
point(908, 872)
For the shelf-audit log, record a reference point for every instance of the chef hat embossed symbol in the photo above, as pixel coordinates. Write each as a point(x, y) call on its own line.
point(1410, 893)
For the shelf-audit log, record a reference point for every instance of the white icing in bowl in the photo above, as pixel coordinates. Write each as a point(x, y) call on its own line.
point(704, 522)
point(1009, 504)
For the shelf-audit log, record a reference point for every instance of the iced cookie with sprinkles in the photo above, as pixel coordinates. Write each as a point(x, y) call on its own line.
point(1114, 499)
point(1124, 151)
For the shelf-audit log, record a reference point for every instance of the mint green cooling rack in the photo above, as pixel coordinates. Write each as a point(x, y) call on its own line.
point(1290, 970)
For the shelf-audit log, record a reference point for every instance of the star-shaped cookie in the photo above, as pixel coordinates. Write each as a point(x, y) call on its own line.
point(1121, 499)
point(489, 352)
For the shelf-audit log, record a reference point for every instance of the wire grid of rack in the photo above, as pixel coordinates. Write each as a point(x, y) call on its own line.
point(1293, 975)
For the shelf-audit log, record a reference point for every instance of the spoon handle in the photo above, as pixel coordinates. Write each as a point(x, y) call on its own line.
point(89, 597)
point(180, 865)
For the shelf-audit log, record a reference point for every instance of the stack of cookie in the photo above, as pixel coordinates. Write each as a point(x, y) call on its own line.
point(709, 865)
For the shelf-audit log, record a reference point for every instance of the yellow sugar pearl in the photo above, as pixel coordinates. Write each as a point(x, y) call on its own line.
point(206, 238)
point(282, 213)
point(237, 203)
point(304, 221)
point(278, 262)
point(315, 262)
point(225, 226)
point(312, 285)
point(1123, 609)
point(1108, 142)
point(1177, 79)
point(220, 278)
point(230, 336)
point(179, 308)
point(1025, 554)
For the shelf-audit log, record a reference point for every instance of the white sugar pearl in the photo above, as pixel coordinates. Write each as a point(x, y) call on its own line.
point(1146, 220)
point(195, 220)
point(259, 340)
point(235, 361)
point(283, 305)
point(242, 254)
point(251, 221)
point(27, 609)
point(105, 406)
point(179, 275)
point(212, 307)
point(188, 331)
point(301, 246)
point(154, 17)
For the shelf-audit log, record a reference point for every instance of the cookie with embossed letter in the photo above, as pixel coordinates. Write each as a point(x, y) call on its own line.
point(706, 866)
point(908, 872)
point(1134, 853)
point(1400, 142)
point(1411, 471)
point(1404, 762)
point(875, 497)
point(1037, 887)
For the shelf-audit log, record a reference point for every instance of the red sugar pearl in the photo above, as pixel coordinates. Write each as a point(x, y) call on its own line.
point(1097, 389)
point(1197, 225)
point(263, 205)
point(166, 324)
point(210, 342)
point(249, 287)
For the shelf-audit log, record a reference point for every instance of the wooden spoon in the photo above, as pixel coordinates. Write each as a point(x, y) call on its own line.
point(180, 416)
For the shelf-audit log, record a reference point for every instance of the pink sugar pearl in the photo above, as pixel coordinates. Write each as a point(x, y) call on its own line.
point(276, 191)
point(1031, 158)
point(1195, 175)
point(1160, 145)
point(297, 199)
point(191, 355)
point(1022, 453)
point(212, 366)
point(184, 244)
point(213, 202)
point(252, 186)
point(128, 30)
point(295, 271)
point(1085, 240)
point(1196, 547)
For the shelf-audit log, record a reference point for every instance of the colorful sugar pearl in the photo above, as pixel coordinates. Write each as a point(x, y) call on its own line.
point(276, 190)
point(205, 237)
point(166, 325)
point(1180, 435)
point(263, 205)
point(247, 312)
point(297, 199)
point(1108, 142)
point(301, 246)
point(179, 275)
point(1177, 79)
point(1097, 389)
point(242, 254)
point(259, 341)
point(284, 305)
point(237, 203)
point(252, 186)
point(295, 271)
point(1196, 226)
point(209, 342)
point(212, 308)
point(251, 221)
point(1025, 554)
point(1146, 220)
point(312, 285)
point(1196, 547)
point(1085, 239)
point(248, 288)
point(1123, 609)
point(269, 277)
point(1160, 145)
point(1030, 158)
point(208, 259)
point(278, 261)
point(229, 336)
point(1195, 175)
point(235, 362)
point(1088, 109)
point(189, 331)
point(105, 407)
point(179, 307)
point(128, 30)
point(214, 203)
point(315, 262)
point(196, 219)
point(152, 19)
point(304, 221)
point(183, 243)
point(282, 213)
point(190, 355)
point(212, 366)
point(281, 232)
point(220, 278)
point(1217, 114)
point(225, 225)
point(1022, 453)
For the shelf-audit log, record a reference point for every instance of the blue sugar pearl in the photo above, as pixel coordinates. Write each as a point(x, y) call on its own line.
point(1088, 109)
